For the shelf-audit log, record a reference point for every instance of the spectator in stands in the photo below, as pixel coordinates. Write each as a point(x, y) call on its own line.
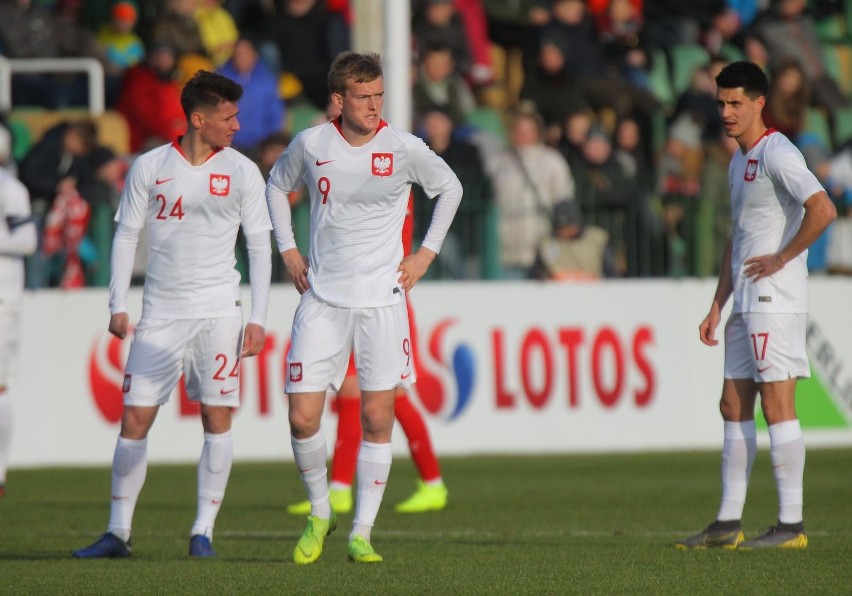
point(698, 101)
point(150, 100)
point(176, 27)
point(269, 149)
point(529, 179)
point(514, 24)
point(670, 23)
point(629, 151)
point(574, 134)
point(472, 14)
point(554, 92)
point(436, 23)
point(298, 33)
point(65, 173)
point(218, 30)
point(28, 30)
point(621, 32)
point(788, 31)
point(789, 99)
point(575, 251)
point(461, 255)
point(122, 47)
point(607, 91)
point(440, 86)
point(261, 108)
point(608, 197)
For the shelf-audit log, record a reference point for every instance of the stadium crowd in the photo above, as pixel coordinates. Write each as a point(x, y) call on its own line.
point(585, 132)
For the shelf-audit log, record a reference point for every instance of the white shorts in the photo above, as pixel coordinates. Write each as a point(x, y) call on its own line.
point(10, 323)
point(766, 347)
point(323, 336)
point(205, 351)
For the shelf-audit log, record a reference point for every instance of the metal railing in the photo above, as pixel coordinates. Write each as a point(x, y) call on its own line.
point(93, 69)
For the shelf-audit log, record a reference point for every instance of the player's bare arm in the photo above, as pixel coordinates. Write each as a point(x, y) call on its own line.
point(819, 213)
point(707, 328)
point(413, 267)
point(253, 340)
point(297, 267)
point(118, 324)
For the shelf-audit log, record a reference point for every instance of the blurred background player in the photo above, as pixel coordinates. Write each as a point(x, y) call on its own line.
point(192, 195)
point(18, 238)
point(431, 493)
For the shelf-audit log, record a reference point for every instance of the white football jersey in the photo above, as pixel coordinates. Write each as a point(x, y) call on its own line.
point(14, 210)
point(192, 214)
point(359, 197)
point(769, 185)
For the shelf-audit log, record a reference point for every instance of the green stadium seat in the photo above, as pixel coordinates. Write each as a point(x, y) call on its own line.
point(842, 126)
point(660, 80)
point(301, 115)
point(488, 120)
point(832, 28)
point(816, 123)
point(838, 63)
point(686, 59)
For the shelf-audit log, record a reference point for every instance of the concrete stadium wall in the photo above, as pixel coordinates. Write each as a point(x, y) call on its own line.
point(504, 368)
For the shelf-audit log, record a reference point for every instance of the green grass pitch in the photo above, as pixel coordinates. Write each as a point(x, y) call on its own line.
point(578, 524)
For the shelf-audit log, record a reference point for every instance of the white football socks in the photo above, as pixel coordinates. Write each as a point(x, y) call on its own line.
point(129, 468)
point(787, 451)
point(214, 468)
point(311, 455)
point(374, 463)
point(738, 453)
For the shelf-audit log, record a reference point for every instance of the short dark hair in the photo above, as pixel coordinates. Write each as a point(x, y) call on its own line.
point(361, 68)
point(208, 89)
point(747, 75)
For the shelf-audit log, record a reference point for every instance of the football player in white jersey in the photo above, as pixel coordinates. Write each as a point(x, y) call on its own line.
point(778, 209)
point(358, 170)
point(18, 238)
point(193, 195)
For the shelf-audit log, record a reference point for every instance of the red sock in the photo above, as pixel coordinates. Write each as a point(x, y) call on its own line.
point(348, 440)
point(419, 442)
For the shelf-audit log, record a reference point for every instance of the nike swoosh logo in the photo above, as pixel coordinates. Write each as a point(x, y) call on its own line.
point(764, 369)
point(405, 376)
point(322, 163)
point(226, 391)
point(158, 181)
point(379, 482)
point(306, 469)
point(216, 501)
point(117, 498)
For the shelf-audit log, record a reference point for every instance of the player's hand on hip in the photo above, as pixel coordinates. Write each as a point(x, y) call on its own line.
point(253, 340)
point(413, 267)
point(297, 268)
point(118, 324)
point(763, 266)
